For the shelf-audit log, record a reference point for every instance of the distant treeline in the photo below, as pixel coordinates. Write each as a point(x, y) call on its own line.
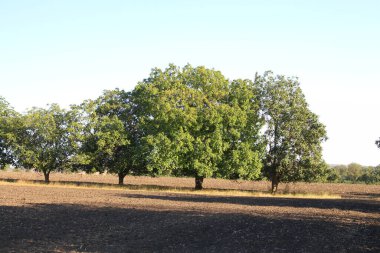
point(180, 122)
point(353, 173)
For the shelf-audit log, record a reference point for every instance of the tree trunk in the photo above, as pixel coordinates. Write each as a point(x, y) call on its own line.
point(121, 178)
point(198, 183)
point(46, 176)
point(275, 182)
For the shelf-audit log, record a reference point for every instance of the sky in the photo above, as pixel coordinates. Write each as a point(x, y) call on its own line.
point(54, 51)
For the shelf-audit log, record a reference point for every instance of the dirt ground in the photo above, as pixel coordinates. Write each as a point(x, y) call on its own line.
point(53, 218)
point(345, 190)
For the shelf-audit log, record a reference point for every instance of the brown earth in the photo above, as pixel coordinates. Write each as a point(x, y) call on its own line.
point(345, 190)
point(56, 218)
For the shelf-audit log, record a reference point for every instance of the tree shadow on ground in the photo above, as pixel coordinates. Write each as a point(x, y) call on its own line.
point(365, 206)
point(76, 228)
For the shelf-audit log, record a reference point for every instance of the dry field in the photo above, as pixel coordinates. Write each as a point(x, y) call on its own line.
point(88, 218)
point(163, 183)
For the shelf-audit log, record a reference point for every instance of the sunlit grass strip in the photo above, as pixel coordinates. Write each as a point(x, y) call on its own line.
point(149, 188)
point(239, 193)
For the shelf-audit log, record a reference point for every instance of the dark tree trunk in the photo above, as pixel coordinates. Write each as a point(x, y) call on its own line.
point(46, 176)
point(121, 178)
point(198, 183)
point(275, 181)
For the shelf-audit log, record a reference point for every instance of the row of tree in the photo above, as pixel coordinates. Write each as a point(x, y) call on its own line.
point(354, 173)
point(179, 121)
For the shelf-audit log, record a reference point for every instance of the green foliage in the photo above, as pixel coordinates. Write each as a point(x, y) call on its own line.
point(197, 120)
point(183, 122)
point(293, 133)
point(42, 139)
point(370, 175)
point(242, 123)
point(6, 115)
point(110, 135)
point(354, 173)
point(332, 175)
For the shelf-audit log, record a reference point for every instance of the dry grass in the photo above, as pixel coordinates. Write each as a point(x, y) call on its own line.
point(206, 192)
point(217, 187)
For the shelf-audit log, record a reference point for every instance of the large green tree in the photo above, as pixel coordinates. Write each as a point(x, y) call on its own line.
point(293, 133)
point(241, 126)
point(110, 137)
point(193, 124)
point(43, 140)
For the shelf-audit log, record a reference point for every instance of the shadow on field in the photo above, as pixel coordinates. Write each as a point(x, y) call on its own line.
point(76, 228)
point(365, 206)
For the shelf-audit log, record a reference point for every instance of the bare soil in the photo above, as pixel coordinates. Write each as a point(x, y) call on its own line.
point(345, 190)
point(54, 218)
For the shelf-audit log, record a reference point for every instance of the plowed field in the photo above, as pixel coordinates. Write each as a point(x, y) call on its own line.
point(67, 218)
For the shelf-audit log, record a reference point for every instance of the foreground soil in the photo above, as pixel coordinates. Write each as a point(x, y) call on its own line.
point(54, 218)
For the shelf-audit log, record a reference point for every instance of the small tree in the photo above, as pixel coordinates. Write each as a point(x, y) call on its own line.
point(341, 170)
point(293, 133)
point(354, 171)
point(370, 175)
point(6, 117)
point(111, 136)
point(43, 140)
point(332, 175)
point(378, 143)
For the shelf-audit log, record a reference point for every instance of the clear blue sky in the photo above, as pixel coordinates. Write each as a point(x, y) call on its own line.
point(67, 51)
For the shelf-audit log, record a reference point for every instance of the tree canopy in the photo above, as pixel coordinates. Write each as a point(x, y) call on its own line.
point(189, 121)
point(110, 138)
point(293, 133)
point(353, 173)
point(196, 121)
point(43, 139)
point(6, 115)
